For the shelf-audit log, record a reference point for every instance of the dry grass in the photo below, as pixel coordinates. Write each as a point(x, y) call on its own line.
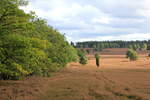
point(116, 79)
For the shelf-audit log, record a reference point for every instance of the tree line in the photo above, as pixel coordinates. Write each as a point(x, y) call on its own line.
point(100, 45)
point(28, 45)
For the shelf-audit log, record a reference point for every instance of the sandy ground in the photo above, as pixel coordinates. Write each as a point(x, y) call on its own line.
point(116, 79)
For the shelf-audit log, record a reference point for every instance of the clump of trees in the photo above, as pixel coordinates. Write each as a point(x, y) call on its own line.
point(97, 59)
point(148, 56)
point(82, 57)
point(132, 55)
point(142, 47)
point(148, 47)
point(28, 45)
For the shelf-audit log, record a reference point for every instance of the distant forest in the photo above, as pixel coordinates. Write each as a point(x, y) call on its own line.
point(100, 45)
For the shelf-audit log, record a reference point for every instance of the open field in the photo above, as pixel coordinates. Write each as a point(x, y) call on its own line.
point(120, 51)
point(116, 79)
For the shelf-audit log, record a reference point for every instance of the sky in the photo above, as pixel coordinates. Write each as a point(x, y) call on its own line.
point(96, 20)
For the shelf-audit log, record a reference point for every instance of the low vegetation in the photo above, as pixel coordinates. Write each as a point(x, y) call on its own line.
point(82, 57)
point(97, 59)
point(148, 55)
point(132, 55)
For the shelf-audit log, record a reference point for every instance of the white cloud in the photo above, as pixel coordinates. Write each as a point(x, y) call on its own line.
point(126, 37)
point(103, 20)
point(144, 13)
point(96, 19)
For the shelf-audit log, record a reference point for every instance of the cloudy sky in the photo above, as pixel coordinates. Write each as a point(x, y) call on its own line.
point(85, 20)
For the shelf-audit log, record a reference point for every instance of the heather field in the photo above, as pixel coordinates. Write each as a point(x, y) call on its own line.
point(117, 78)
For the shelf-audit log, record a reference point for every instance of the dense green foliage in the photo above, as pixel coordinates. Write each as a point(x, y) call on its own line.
point(82, 57)
point(148, 55)
point(132, 55)
point(97, 59)
point(28, 46)
point(98, 46)
point(148, 47)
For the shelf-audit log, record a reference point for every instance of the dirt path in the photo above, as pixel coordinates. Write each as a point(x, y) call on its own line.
point(116, 79)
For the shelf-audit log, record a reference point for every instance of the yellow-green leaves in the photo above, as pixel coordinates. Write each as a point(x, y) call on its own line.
point(28, 45)
point(132, 55)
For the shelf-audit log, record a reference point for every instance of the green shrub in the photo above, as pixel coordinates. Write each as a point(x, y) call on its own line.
point(72, 54)
point(97, 59)
point(82, 57)
point(132, 55)
point(148, 47)
point(81, 52)
point(83, 60)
